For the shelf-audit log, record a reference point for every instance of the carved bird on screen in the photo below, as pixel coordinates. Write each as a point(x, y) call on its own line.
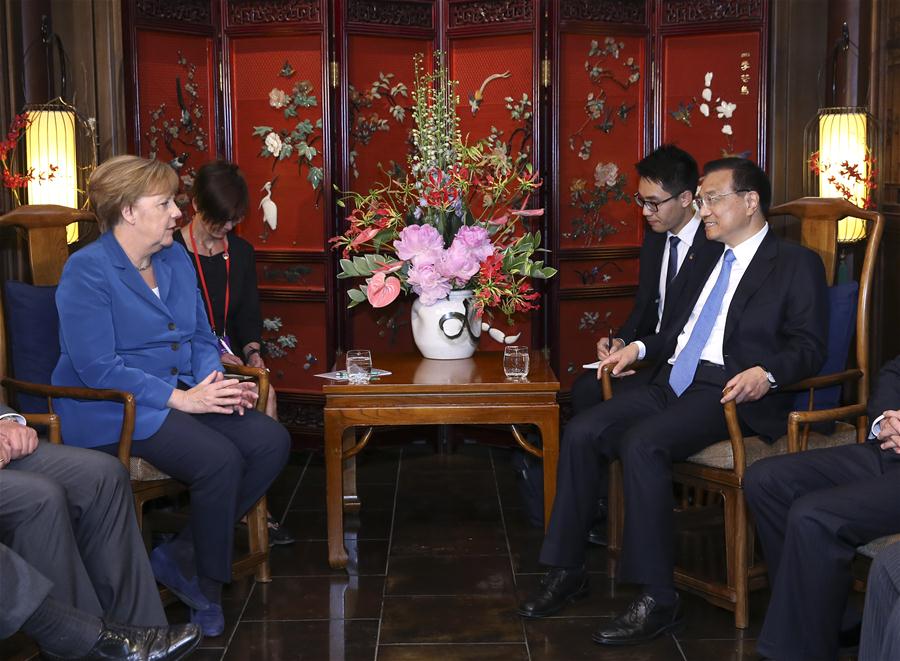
point(186, 120)
point(476, 97)
point(269, 209)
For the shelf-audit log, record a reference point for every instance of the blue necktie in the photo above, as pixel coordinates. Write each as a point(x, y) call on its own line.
point(672, 267)
point(686, 364)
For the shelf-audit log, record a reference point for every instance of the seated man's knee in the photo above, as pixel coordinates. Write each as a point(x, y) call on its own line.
point(45, 500)
point(763, 479)
point(106, 471)
point(809, 513)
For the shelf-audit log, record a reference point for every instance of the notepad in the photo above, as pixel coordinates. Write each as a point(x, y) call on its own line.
point(592, 366)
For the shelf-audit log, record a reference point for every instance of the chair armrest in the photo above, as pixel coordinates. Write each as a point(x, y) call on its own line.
point(606, 377)
point(825, 380)
point(48, 420)
point(127, 430)
point(798, 442)
point(260, 375)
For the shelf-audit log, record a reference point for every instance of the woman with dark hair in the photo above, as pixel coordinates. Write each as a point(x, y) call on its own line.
point(226, 275)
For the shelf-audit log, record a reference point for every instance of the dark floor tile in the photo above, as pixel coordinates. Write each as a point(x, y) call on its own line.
point(462, 619)
point(605, 599)
point(449, 575)
point(313, 524)
point(319, 597)
point(201, 654)
point(441, 506)
point(349, 640)
point(310, 558)
point(18, 647)
point(483, 652)
point(567, 639)
point(311, 496)
point(742, 649)
point(457, 538)
point(704, 620)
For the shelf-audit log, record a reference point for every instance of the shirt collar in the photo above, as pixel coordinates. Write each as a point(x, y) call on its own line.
point(744, 251)
point(689, 231)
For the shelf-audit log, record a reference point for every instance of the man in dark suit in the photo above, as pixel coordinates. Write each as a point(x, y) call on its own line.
point(759, 320)
point(72, 562)
point(668, 181)
point(812, 511)
point(673, 249)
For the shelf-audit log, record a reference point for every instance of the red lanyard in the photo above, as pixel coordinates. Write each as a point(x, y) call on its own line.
point(212, 319)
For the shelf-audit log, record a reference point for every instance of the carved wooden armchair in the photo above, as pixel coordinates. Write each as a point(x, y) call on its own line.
point(44, 229)
point(714, 476)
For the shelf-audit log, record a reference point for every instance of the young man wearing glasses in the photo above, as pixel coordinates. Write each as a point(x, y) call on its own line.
point(672, 252)
point(759, 320)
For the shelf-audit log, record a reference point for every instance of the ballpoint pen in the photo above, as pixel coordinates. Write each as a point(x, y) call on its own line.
point(609, 344)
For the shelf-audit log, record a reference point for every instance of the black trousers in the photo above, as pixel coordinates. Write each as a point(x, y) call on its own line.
point(812, 510)
point(648, 428)
point(67, 529)
point(228, 462)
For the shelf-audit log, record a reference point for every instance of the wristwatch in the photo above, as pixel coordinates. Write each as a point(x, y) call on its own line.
point(772, 382)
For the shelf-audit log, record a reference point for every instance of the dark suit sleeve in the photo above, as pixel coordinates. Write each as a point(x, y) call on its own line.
point(886, 396)
point(247, 319)
point(638, 322)
point(804, 322)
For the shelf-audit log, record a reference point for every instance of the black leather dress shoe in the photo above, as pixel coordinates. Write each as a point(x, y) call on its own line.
point(117, 641)
point(644, 620)
point(597, 534)
point(557, 588)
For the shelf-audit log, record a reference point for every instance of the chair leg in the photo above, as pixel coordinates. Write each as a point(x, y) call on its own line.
point(258, 529)
point(615, 516)
point(736, 555)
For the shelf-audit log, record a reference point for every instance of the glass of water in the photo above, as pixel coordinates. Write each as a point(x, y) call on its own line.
point(515, 362)
point(359, 366)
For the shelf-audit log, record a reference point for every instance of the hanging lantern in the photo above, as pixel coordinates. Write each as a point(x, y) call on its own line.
point(839, 145)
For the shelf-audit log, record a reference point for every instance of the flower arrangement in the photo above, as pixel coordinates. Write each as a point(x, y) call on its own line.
point(854, 181)
point(451, 222)
point(18, 180)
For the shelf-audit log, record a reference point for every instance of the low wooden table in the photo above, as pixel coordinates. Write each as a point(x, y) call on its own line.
point(430, 392)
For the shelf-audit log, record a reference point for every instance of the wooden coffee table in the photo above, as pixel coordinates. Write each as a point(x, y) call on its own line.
point(432, 392)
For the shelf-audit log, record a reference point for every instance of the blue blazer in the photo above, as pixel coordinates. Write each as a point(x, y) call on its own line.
point(114, 332)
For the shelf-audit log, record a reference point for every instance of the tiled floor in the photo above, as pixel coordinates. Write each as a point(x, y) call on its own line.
point(441, 553)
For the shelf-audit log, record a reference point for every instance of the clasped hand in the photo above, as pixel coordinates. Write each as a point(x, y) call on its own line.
point(16, 441)
point(889, 434)
point(216, 394)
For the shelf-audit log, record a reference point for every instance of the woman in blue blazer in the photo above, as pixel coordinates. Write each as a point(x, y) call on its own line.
point(131, 319)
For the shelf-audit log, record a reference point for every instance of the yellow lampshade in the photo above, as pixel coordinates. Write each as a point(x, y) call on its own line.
point(50, 141)
point(843, 140)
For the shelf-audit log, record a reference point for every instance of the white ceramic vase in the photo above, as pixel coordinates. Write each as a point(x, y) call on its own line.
point(449, 328)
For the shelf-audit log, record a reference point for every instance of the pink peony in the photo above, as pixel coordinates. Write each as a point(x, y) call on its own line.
point(420, 244)
point(606, 174)
point(474, 240)
point(458, 264)
point(428, 283)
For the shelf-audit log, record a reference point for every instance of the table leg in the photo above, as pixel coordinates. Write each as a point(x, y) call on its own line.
point(334, 480)
point(549, 426)
point(351, 498)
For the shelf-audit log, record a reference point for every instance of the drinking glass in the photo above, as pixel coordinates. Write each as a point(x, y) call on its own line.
point(359, 366)
point(515, 362)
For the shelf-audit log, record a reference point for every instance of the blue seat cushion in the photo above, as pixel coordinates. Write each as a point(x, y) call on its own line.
point(32, 326)
point(842, 302)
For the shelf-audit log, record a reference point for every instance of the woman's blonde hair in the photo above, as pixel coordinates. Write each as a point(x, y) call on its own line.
point(120, 181)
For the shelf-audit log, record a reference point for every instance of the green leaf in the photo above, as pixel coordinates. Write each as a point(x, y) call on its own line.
point(356, 295)
point(315, 177)
point(348, 270)
point(262, 130)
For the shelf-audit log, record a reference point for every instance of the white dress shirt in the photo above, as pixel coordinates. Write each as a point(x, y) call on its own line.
point(685, 241)
point(15, 417)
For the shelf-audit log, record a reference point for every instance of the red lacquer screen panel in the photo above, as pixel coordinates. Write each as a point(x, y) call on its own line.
point(293, 336)
point(583, 322)
point(710, 94)
point(601, 137)
point(277, 111)
point(383, 330)
point(578, 274)
point(176, 105)
point(381, 81)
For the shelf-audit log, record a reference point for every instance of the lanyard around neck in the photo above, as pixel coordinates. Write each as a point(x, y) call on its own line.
point(206, 297)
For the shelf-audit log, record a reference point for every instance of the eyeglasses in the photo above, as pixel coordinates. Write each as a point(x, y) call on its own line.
point(650, 205)
point(710, 200)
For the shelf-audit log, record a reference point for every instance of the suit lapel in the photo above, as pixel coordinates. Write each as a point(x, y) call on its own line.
point(759, 269)
point(130, 276)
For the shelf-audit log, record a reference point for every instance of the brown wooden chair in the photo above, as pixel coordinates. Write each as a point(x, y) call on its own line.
point(44, 229)
point(718, 470)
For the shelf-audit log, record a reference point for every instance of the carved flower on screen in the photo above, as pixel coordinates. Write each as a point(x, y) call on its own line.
point(725, 110)
point(727, 130)
point(273, 143)
point(278, 98)
point(606, 174)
